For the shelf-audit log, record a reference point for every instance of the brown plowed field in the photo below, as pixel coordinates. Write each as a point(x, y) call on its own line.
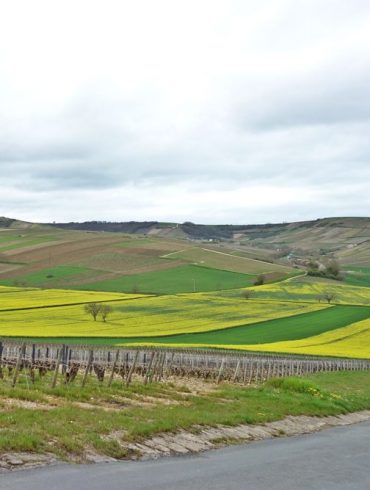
point(96, 252)
point(59, 254)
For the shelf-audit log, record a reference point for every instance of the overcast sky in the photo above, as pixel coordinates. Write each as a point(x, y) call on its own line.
point(210, 111)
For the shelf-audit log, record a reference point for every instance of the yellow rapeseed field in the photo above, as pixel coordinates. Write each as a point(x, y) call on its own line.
point(299, 290)
point(16, 298)
point(350, 341)
point(145, 316)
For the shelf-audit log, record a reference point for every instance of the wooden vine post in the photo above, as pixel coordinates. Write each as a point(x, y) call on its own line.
point(133, 365)
point(88, 366)
point(115, 362)
point(220, 371)
point(148, 371)
point(21, 355)
point(57, 364)
point(1, 355)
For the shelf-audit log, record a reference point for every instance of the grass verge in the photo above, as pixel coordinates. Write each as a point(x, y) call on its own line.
point(69, 420)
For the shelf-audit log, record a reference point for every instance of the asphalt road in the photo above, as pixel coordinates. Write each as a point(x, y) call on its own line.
point(336, 458)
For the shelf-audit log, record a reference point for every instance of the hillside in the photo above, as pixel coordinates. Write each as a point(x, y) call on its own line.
point(52, 257)
point(190, 292)
point(344, 238)
point(155, 257)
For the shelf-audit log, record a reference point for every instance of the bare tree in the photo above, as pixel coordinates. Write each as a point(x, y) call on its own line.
point(93, 309)
point(329, 296)
point(105, 310)
point(333, 268)
point(247, 293)
point(260, 280)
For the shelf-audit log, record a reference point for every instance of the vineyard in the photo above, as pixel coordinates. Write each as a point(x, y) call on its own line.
point(68, 363)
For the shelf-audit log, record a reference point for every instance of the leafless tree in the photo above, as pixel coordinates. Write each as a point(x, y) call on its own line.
point(260, 280)
point(247, 293)
point(93, 309)
point(329, 296)
point(333, 268)
point(105, 310)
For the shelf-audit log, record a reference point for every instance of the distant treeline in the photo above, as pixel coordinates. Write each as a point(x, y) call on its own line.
point(6, 222)
point(141, 227)
point(192, 230)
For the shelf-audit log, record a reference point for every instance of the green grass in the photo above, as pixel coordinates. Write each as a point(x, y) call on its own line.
point(49, 277)
point(289, 328)
point(357, 276)
point(13, 242)
point(181, 279)
point(172, 408)
point(6, 237)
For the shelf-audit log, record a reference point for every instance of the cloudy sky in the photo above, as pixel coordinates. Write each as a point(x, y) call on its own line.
point(214, 111)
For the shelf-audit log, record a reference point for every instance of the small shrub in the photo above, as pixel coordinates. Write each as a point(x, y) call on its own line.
point(247, 293)
point(260, 280)
point(295, 385)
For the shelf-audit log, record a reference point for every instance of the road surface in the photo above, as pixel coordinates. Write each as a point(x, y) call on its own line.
point(337, 458)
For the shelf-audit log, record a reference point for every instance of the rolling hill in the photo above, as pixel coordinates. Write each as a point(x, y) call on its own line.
point(166, 258)
point(166, 287)
point(344, 237)
point(51, 257)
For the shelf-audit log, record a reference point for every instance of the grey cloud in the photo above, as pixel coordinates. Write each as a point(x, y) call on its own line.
point(337, 96)
point(279, 127)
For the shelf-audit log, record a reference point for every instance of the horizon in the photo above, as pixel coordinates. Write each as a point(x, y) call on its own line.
point(283, 222)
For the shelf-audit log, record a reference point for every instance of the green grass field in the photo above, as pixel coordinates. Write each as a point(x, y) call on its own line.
point(357, 276)
point(183, 279)
point(50, 276)
point(288, 328)
point(13, 241)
